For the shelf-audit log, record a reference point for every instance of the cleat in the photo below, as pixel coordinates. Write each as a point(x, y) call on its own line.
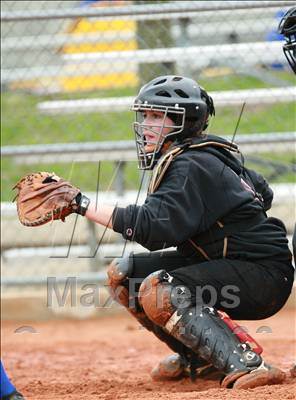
point(175, 366)
point(171, 367)
point(261, 376)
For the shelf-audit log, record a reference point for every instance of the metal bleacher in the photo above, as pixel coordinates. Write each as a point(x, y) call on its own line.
point(118, 104)
point(69, 61)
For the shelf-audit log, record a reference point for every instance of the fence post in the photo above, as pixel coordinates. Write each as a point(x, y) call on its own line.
point(151, 35)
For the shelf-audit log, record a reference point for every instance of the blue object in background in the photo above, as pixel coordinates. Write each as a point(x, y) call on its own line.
point(88, 2)
point(6, 387)
point(274, 35)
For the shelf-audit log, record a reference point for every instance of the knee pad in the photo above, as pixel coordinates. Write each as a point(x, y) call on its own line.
point(118, 273)
point(120, 270)
point(160, 298)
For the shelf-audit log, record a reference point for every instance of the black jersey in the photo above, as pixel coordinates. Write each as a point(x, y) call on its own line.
point(200, 188)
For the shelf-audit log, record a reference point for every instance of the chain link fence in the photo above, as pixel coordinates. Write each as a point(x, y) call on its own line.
point(70, 70)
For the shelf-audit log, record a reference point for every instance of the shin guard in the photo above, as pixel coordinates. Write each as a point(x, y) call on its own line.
point(199, 328)
point(119, 273)
point(203, 331)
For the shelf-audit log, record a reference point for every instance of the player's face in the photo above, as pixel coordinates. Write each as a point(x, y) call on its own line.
point(156, 126)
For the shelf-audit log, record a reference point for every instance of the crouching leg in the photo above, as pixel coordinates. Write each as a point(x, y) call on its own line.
point(203, 330)
point(122, 289)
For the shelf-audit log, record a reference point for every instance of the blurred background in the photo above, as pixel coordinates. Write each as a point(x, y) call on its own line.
point(69, 73)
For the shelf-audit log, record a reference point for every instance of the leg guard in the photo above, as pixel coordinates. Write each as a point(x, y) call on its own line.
point(199, 328)
point(208, 336)
point(119, 272)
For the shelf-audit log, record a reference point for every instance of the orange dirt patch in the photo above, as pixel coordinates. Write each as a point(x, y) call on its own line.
point(111, 357)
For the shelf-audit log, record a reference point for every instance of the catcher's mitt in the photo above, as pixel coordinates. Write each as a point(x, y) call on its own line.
point(43, 197)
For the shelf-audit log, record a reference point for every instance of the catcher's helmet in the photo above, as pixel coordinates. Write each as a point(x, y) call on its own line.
point(181, 99)
point(287, 27)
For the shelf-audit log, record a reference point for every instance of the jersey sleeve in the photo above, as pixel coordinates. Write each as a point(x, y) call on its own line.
point(167, 218)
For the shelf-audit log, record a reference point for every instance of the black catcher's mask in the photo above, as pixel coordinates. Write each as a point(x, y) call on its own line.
point(182, 100)
point(287, 27)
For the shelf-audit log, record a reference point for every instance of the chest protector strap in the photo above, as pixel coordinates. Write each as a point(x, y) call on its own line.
point(168, 157)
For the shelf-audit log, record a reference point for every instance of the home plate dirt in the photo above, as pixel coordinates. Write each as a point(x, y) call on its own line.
point(110, 358)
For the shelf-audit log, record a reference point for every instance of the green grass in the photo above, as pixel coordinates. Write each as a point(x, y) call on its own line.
point(239, 82)
point(22, 124)
point(280, 168)
point(230, 82)
point(258, 119)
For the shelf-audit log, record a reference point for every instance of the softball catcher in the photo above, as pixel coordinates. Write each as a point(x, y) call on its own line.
point(230, 261)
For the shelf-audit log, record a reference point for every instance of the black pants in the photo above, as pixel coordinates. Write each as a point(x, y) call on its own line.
point(243, 289)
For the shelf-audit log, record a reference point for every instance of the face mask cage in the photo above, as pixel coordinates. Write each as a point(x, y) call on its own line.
point(287, 27)
point(290, 52)
point(148, 152)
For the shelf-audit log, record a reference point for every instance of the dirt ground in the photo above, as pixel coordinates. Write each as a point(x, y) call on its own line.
point(110, 358)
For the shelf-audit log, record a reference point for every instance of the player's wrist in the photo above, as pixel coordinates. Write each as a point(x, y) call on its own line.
point(81, 204)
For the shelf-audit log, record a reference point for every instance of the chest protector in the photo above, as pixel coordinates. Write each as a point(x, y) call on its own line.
point(221, 149)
